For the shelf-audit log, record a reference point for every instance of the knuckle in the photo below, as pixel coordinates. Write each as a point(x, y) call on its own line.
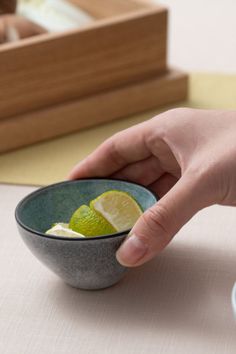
point(156, 220)
point(203, 180)
point(201, 172)
point(164, 122)
point(179, 111)
point(115, 154)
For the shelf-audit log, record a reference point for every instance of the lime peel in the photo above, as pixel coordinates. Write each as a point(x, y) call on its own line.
point(90, 223)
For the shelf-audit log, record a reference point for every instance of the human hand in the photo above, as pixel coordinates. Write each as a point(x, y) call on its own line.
point(186, 156)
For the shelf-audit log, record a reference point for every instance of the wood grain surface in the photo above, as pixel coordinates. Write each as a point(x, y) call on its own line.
point(51, 69)
point(92, 110)
point(108, 8)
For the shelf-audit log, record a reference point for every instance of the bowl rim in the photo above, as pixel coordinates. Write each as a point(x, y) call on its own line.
point(54, 185)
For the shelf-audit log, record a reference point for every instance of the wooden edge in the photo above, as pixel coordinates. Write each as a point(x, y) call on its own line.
point(107, 8)
point(101, 23)
point(82, 64)
point(66, 118)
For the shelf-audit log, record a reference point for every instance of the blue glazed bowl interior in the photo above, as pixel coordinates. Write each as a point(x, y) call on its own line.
point(56, 203)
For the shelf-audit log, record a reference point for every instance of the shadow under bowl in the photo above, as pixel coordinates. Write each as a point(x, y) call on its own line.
point(86, 263)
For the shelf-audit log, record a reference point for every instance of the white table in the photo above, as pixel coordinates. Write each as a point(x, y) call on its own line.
point(178, 303)
point(202, 34)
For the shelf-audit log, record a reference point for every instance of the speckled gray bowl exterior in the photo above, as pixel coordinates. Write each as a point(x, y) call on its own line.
point(86, 263)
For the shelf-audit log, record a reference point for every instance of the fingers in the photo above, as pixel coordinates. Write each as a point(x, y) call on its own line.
point(163, 184)
point(144, 172)
point(157, 226)
point(114, 154)
point(129, 147)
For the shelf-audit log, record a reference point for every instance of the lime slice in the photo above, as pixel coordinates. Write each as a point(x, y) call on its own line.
point(119, 208)
point(89, 223)
point(61, 224)
point(61, 229)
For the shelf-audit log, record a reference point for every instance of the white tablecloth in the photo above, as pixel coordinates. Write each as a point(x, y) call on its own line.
point(178, 303)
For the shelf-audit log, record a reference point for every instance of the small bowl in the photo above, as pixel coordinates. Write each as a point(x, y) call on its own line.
point(86, 263)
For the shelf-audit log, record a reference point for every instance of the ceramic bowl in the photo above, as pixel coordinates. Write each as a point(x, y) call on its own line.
point(86, 263)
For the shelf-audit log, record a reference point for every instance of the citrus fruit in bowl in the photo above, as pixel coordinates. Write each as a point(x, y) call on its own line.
point(86, 262)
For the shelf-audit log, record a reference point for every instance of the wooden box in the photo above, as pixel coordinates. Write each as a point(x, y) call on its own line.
point(58, 83)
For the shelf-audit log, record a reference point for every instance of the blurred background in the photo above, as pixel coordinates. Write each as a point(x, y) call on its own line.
point(201, 43)
point(201, 33)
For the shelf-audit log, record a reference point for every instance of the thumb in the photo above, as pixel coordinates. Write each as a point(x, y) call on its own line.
point(157, 226)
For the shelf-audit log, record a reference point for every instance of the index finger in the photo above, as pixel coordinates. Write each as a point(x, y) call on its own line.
point(123, 148)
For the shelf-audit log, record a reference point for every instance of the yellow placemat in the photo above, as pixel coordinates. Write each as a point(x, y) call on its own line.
point(50, 161)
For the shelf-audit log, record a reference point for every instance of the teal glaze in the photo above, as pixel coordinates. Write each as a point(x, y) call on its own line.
point(88, 263)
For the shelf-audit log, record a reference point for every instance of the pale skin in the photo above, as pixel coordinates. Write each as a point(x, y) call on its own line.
point(186, 156)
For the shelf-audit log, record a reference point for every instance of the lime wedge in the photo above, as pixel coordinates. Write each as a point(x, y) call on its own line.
point(119, 208)
point(62, 229)
point(89, 223)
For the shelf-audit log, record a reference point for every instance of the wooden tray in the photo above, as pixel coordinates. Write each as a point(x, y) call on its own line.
point(54, 84)
point(55, 68)
point(91, 110)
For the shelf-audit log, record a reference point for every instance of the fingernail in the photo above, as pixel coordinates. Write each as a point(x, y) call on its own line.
point(131, 251)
